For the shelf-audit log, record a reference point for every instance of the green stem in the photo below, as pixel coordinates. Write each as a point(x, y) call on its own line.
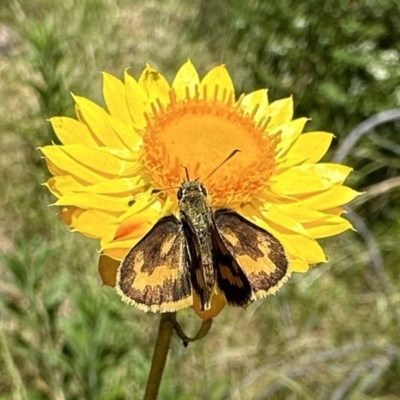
point(160, 355)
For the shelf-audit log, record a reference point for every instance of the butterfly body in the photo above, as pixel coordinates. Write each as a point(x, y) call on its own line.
point(196, 218)
point(199, 251)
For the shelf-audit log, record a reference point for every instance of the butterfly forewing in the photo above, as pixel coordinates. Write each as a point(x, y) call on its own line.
point(154, 275)
point(259, 254)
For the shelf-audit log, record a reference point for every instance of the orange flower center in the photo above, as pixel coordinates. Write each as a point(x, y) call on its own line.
point(198, 134)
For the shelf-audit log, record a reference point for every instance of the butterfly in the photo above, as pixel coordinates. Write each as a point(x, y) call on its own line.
point(195, 252)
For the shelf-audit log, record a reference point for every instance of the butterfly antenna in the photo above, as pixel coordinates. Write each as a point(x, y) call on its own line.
point(221, 164)
point(187, 173)
point(155, 191)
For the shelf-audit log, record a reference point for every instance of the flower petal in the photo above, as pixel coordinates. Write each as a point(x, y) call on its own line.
point(258, 101)
point(71, 131)
point(94, 163)
point(114, 96)
point(328, 226)
point(97, 121)
point(290, 133)
point(185, 81)
point(133, 227)
point(318, 224)
point(336, 196)
point(91, 201)
point(280, 112)
point(308, 148)
point(335, 173)
point(60, 163)
point(108, 269)
point(217, 84)
point(155, 85)
point(295, 182)
point(127, 134)
point(299, 246)
point(138, 102)
point(93, 223)
point(59, 185)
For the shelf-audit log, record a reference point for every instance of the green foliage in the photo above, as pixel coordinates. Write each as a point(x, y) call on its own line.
point(331, 333)
point(340, 61)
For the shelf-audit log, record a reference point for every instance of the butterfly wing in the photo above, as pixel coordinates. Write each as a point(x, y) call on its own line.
point(154, 274)
point(230, 276)
point(195, 257)
point(260, 255)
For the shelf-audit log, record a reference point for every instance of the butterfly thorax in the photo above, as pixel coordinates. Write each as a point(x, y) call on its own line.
point(196, 217)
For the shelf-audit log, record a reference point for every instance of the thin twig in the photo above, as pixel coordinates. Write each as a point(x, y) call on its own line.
point(361, 129)
point(376, 190)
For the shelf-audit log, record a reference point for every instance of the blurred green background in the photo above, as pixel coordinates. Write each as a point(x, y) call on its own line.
point(333, 333)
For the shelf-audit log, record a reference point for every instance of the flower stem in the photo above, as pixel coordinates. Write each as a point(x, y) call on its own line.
point(165, 331)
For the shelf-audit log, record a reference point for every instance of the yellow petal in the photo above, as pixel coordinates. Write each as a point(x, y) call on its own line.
point(114, 96)
point(295, 182)
point(185, 81)
point(69, 214)
point(300, 213)
point(121, 187)
point(92, 161)
point(308, 148)
point(328, 226)
point(91, 201)
point(298, 265)
point(335, 173)
point(155, 85)
point(290, 133)
point(126, 132)
point(108, 269)
point(97, 121)
point(137, 101)
point(336, 196)
point(280, 112)
point(258, 101)
point(134, 227)
point(334, 211)
point(93, 223)
point(71, 131)
point(303, 247)
point(115, 253)
point(276, 215)
point(217, 84)
point(60, 185)
point(318, 224)
point(60, 163)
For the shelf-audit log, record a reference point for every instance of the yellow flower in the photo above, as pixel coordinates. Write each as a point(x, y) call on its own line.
point(110, 161)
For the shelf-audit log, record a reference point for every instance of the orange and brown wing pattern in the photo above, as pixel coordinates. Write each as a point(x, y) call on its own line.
point(260, 255)
point(231, 278)
point(154, 274)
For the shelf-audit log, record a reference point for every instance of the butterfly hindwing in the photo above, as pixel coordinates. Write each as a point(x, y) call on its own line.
point(230, 277)
point(154, 275)
point(259, 255)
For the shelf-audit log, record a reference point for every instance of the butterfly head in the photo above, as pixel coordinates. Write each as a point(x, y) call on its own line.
point(193, 202)
point(191, 189)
